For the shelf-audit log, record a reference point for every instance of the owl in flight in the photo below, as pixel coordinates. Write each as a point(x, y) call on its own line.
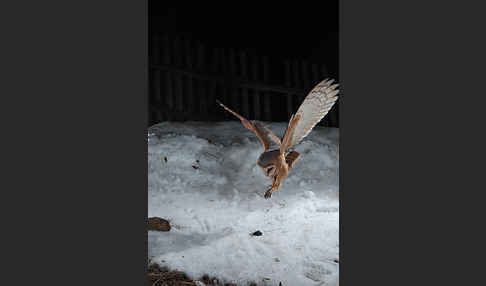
point(278, 158)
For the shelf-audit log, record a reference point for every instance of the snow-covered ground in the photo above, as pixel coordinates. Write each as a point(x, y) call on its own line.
point(214, 206)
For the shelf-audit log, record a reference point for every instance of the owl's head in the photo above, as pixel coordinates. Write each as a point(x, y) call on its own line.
point(269, 162)
point(269, 171)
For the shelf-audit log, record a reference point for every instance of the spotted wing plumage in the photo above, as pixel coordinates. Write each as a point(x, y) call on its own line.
point(314, 107)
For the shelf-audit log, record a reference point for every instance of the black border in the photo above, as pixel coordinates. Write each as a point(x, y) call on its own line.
point(411, 75)
point(75, 76)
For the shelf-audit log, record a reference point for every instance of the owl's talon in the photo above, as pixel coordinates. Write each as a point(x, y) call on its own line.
point(268, 194)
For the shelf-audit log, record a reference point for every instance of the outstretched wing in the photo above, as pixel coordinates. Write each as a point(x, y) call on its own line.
point(289, 133)
point(269, 140)
point(314, 107)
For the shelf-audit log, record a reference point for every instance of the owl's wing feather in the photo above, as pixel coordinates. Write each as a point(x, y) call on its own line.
point(266, 136)
point(314, 107)
point(289, 133)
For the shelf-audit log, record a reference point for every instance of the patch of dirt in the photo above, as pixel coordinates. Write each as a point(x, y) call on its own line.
point(158, 276)
point(162, 276)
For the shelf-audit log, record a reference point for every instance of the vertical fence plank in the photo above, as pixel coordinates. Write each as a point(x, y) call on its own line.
point(244, 91)
point(169, 96)
point(225, 90)
point(288, 83)
point(176, 52)
point(266, 94)
point(335, 114)
point(179, 95)
point(212, 84)
point(189, 80)
point(157, 89)
point(305, 75)
point(324, 72)
point(178, 92)
point(156, 49)
point(201, 84)
point(156, 80)
point(234, 99)
point(315, 75)
point(178, 85)
point(297, 82)
point(256, 94)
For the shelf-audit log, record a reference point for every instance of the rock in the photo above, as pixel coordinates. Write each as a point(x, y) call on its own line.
point(257, 233)
point(158, 224)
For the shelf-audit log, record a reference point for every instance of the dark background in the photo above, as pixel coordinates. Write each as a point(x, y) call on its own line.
point(280, 32)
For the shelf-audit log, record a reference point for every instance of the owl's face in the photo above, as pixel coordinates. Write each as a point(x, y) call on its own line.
point(268, 162)
point(269, 170)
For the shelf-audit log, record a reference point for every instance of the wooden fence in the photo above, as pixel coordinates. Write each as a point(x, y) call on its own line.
point(186, 78)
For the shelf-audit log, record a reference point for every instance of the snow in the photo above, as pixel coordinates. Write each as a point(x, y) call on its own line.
point(214, 206)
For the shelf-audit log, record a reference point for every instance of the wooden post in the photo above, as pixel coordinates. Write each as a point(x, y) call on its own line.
point(201, 91)
point(266, 95)
point(189, 64)
point(178, 84)
point(178, 94)
point(244, 91)
point(156, 79)
point(234, 96)
point(305, 75)
point(212, 84)
point(335, 114)
point(168, 94)
point(156, 49)
point(297, 83)
point(288, 83)
point(324, 72)
point(256, 94)
point(316, 78)
point(176, 52)
point(225, 96)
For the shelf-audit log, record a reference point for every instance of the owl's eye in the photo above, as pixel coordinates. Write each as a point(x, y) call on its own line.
point(270, 170)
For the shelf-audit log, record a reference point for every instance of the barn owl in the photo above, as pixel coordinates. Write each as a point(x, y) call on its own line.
point(278, 158)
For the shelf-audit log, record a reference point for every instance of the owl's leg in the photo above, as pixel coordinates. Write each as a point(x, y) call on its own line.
point(268, 193)
point(272, 188)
